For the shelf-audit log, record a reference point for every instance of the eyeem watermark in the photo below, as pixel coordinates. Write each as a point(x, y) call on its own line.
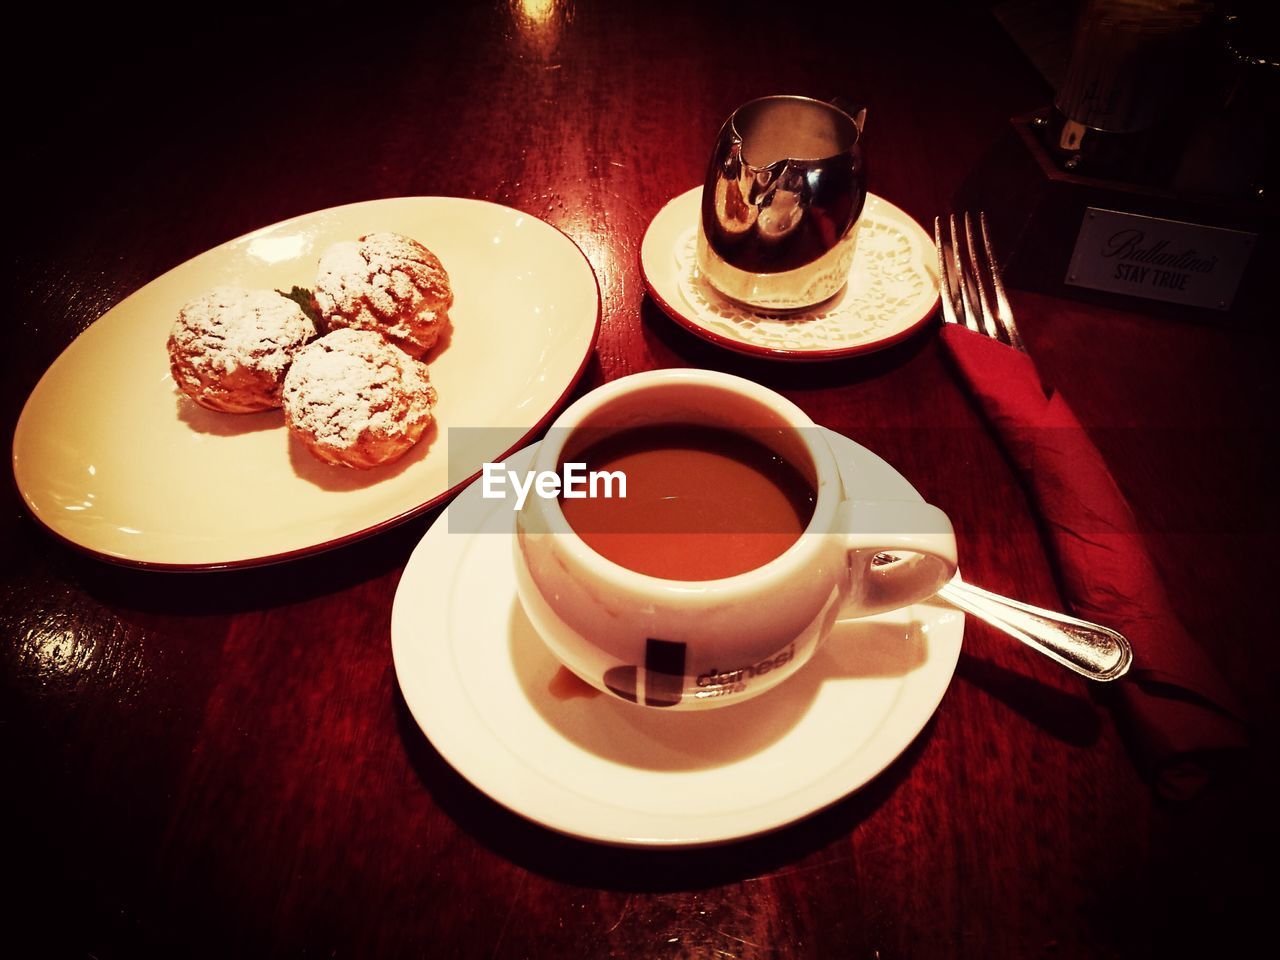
point(574, 482)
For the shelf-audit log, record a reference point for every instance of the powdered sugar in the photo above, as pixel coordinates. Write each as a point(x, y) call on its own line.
point(388, 283)
point(353, 385)
point(357, 397)
point(229, 349)
point(230, 327)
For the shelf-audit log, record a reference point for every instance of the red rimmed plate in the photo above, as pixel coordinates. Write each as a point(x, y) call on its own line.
point(109, 457)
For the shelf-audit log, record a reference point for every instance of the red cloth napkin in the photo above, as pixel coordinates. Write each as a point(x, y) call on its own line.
point(1180, 715)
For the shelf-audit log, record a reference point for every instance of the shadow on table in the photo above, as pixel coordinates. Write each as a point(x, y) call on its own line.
point(568, 860)
point(1071, 719)
point(222, 592)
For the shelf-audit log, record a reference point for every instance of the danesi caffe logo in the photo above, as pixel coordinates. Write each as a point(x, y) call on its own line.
point(659, 683)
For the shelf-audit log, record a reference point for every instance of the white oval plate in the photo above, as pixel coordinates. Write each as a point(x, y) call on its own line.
point(491, 699)
point(892, 290)
point(109, 456)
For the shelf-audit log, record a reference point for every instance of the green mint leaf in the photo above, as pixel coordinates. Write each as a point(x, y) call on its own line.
point(303, 298)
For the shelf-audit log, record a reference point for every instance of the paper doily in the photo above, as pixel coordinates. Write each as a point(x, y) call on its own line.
point(888, 280)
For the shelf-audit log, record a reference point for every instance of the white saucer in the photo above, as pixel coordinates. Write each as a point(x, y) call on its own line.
point(892, 289)
point(491, 699)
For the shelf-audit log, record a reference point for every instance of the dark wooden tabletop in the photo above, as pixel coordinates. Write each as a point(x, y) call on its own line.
point(222, 764)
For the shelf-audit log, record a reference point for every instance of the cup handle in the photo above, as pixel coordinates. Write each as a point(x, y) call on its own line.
point(918, 532)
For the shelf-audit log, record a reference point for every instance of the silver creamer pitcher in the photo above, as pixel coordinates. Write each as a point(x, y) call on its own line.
point(780, 207)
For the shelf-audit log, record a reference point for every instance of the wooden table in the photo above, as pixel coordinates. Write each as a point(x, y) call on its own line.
point(221, 764)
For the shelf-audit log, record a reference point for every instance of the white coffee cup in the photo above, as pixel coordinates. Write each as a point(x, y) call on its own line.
point(691, 645)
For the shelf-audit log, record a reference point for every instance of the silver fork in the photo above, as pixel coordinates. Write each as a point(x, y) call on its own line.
point(963, 280)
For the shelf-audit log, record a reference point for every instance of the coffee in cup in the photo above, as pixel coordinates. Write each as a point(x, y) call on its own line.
point(703, 502)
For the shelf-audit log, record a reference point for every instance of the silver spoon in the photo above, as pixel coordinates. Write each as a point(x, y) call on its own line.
point(1089, 649)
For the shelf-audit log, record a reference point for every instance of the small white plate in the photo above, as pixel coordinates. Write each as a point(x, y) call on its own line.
point(109, 456)
point(495, 704)
point(892, 289)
